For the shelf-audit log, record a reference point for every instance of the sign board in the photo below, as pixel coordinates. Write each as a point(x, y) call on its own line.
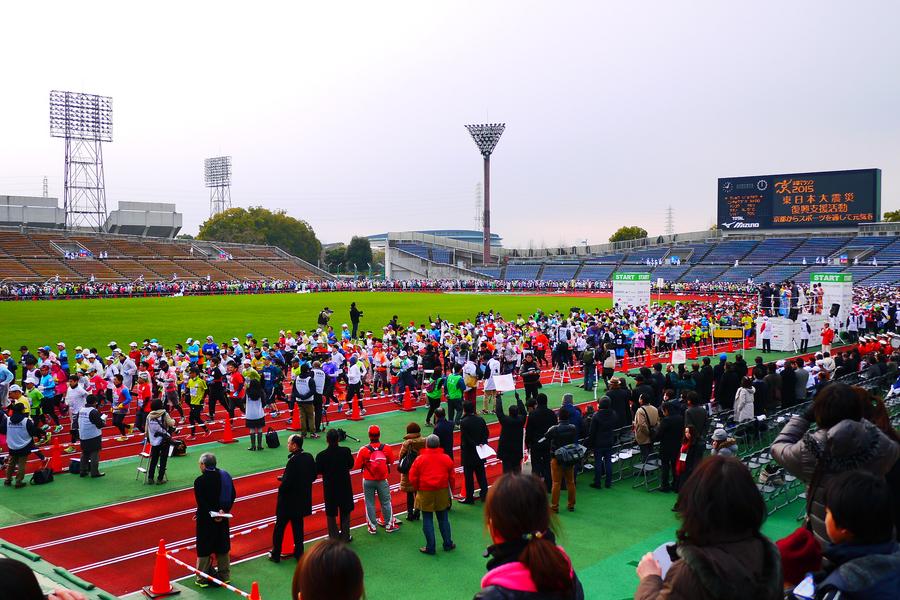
point(837, 290)
point(800, 200)
point(679, 357)
point(631, 289)
point(785, 335)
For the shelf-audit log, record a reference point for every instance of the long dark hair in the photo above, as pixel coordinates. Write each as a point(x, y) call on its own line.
point(719, 501)
point(330, 571)
point(19, 582)
point(517, 509)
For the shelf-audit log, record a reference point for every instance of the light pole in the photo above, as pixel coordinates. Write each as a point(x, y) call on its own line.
point(486, 137)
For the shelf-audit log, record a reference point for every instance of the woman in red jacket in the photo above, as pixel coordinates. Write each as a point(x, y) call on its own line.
point(432, 476)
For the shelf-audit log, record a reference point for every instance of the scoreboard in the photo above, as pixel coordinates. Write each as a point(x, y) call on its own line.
point(800, 200)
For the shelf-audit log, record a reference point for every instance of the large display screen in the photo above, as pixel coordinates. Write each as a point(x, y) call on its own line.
point(807, 200)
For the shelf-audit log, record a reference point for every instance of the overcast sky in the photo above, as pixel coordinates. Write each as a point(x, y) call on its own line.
point(350, 115)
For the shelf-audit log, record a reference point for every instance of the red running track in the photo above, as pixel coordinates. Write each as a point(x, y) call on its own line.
point(122, 538)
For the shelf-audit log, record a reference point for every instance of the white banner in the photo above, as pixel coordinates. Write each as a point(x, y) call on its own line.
point(631, 289)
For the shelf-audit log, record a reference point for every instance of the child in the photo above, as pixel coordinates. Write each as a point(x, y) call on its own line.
point(864, 557)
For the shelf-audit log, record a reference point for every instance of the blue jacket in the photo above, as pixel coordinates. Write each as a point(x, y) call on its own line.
point(863, 571)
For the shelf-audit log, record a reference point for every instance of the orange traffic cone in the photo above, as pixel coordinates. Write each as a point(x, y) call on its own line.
point(625, 366)
point(648, 359)
point(254, 592)
point(161, 585)
point(287, 542)
point(692, 353)
point(730, 345)
point(354, 414)
point(295, 418)
point(407, 401)
point(228, 435)
point(56, 456)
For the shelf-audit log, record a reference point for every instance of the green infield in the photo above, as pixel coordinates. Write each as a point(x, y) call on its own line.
point(93, 323)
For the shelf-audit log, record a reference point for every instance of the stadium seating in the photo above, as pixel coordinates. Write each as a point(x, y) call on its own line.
point(595, 272)
point(888, 276)
point(609, 259)
point(815, 247)
point(729, 251)
point(516, 272)
point(739, 274)
point(778, 274)
point(559, 272)
point(640, 257)
point(489, 271)
point(29, 255)
point(415, 249)
point(770, 251)
point(703, 273)
point(439, 255)
point(670, 272)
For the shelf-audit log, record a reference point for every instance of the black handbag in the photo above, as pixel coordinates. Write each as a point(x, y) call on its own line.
point(272, 440)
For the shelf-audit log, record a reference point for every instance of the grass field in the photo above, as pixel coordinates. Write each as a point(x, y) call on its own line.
point(172, 320)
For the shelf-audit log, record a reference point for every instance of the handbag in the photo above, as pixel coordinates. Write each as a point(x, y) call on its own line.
point(272, 440)
point(570, 454)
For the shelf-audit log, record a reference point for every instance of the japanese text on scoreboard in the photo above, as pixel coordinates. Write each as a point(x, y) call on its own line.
point(826, 199)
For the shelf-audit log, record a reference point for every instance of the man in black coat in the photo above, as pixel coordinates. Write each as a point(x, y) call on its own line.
point(539, 421)
point(334, 464)
point(788, 386)
point(512, 429)
point(355, 314)
point(659, 383)
point(642, 388)
point(473, 432)
point(294, 497)
point(740, 366)
point(213, 533)
point(620, 398)
point(727, 388)
point(601, 437)
point(443, 428)
point(669, 434)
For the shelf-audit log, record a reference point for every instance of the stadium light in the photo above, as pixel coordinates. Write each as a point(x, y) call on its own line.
point(217, 173)
point(84, 121)
point(486, 137)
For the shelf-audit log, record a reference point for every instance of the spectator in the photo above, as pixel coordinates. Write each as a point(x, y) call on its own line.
point(90, 427)
point(539, 421)
point(432, 476)
point(601, 438)
point(560, 435)
point(844, 441)
point(375, 460)
point(696, 418)
point(443, 428)
point(743, 401)
point(413, 442)
point(722, 445)
point(214, 492)
point(159, 424)
point(330, 571)
point(646, 422)
point(525, 561)
point(512, 431)
point(619, 397)
point(20, 583)
point(334, 464)
point(669, 434)
point(256, 414)
point(294, 497)
point(800, 555)
point(573, 412)
point(473, 433)
point(720, 553)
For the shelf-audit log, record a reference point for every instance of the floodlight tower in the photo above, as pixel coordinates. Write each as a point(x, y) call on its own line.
point(217, 171)
point(84, 121)
point(486, 138)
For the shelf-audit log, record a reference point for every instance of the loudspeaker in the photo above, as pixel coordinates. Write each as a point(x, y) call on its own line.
point(835, 309)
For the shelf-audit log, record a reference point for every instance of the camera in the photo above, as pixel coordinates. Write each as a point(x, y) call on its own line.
point(343, 435)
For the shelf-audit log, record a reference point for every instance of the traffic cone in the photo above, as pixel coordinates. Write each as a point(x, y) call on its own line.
point(287, 542)
point(228, 435)
point(692, 353)
point(56, 456)
point(407, 401)
point(730, 345)
point(295, 418)
point(161, 586)
point(648, 359)
point(354, 414)
point(625, 366)
point(254, 592)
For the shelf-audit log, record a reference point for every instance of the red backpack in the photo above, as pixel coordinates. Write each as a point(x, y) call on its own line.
point(377, 463)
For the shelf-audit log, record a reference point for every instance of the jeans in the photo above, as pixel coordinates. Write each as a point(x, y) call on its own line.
point(590, 376)
point(383, 489)
point(603, 456)
point(443, 519)
point(558, 472)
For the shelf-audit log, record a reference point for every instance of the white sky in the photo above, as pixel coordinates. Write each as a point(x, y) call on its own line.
point(350, 115)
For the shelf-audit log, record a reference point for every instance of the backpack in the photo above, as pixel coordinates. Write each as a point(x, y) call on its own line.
point(377, 464)
point(179, 448)
point(570, 454)
point(42, 476)
point(406, 462)
point(227, 494)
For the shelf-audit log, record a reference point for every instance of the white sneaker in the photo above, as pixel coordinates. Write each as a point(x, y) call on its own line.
point(362, 412)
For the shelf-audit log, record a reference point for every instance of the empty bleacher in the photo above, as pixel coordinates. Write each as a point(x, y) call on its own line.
point(778, 274)
point(889, 253)
point(888, 276)
point(670, 272)
point(640, 257)
point(729, 251)
point(771, 251)
point(739, 274)
point(515, 272)
point(559, 272)
point(596, 272)
point(815, 247)
point(493, 272)
point(609, 259)
point(703, 273)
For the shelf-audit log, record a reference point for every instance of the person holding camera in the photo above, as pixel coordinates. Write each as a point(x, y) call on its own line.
point(159, 433)
point(334, 464)
point(355, 314)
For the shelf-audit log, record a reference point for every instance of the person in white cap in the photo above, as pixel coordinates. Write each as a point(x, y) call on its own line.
point(805, 330)
point(765, 334)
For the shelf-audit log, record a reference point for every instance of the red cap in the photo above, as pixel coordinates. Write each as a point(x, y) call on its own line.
point(800, 554)
point(374, 430)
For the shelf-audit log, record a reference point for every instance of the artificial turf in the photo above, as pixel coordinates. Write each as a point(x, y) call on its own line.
point(93, 323)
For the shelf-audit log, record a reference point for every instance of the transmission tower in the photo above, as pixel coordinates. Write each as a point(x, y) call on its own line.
point(46, 191)
point(84, 121)
point(670, 221)
point(217, 171)
point(486, 138)
point(478, 208)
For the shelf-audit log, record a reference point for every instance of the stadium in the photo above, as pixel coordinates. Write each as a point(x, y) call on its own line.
point(214, 403)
